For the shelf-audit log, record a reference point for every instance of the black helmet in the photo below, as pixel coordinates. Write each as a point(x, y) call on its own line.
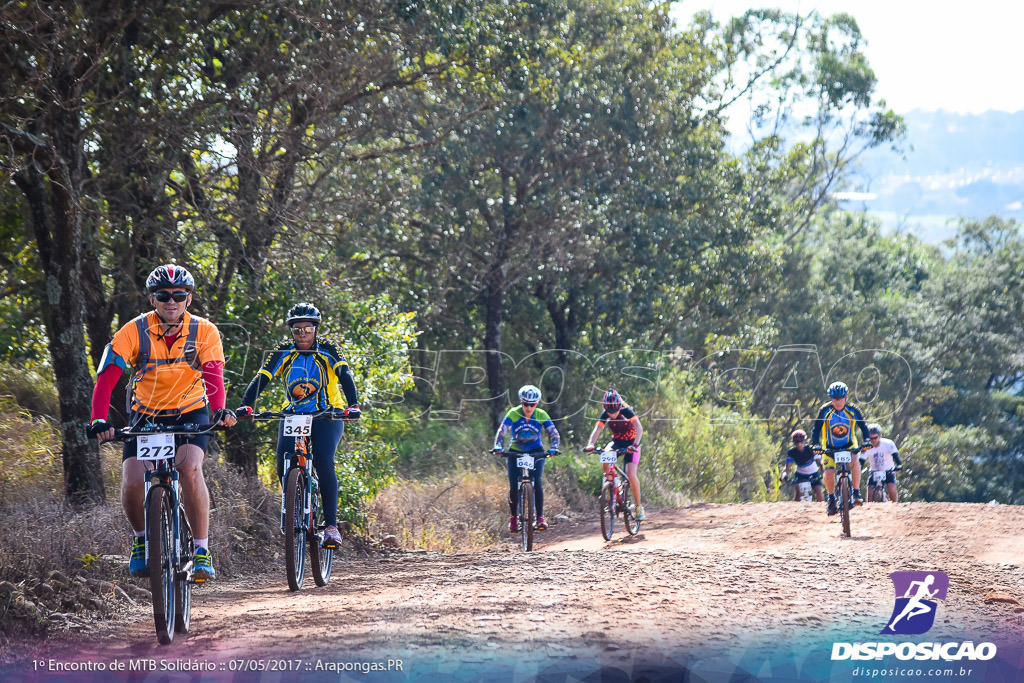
point(304, 311)
point(170, 275)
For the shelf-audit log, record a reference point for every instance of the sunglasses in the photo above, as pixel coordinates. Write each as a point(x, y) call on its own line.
point(529, 405)
point(874, 436)
point(798, 440)
point(303, 330)
point(164, 297)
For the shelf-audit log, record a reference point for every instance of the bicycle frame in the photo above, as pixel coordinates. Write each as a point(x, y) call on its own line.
point(304, 530)
point(171, 585)
point(617, 482)
point(527, 518)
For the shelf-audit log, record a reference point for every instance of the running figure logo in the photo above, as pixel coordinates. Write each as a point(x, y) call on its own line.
point(916, 596)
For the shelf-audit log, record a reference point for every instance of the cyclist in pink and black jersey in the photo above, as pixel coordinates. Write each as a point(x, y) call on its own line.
point(626, 432)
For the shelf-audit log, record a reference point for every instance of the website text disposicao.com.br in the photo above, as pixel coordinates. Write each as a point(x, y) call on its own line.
point(912, 672)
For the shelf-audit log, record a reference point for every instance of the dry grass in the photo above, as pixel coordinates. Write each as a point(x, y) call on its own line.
point(465, 510)
point(56, 560)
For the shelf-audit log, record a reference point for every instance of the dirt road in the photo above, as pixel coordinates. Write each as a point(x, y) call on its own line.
point(707, 590)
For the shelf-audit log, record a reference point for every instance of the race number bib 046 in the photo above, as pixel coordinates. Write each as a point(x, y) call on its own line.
point(525, 461)
point(155, 447)
point(298, 425)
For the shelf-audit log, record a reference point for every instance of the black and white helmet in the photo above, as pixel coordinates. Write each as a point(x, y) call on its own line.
point(170, 275)
point(303, 312)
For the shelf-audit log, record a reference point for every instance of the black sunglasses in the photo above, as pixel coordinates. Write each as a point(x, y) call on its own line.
point(529, 405)
point(164, 297)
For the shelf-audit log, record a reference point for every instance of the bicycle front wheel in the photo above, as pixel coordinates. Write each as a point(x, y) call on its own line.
point(845, 503)
point(162, 572)
point(182, 585)
point(629, 510)
point(607, 502)
point(526, 514)
point(295, 527)
point(321, 558)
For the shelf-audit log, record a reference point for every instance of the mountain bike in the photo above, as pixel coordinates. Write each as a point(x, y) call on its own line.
point(527, 515)
point(302, 515)
point(169, 541)
point(616, 497)
point(803, 486)
point(877, 491)
point(844, 488)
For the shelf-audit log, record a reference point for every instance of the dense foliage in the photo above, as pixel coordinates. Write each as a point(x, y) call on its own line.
point(484, 194)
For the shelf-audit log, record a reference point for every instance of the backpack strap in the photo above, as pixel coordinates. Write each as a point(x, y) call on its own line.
point(142, 359)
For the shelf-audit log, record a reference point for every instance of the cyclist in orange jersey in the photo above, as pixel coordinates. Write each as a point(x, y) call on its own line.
point(178, 377)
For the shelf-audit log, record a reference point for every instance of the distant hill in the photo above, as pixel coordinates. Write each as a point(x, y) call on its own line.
point(953, 165)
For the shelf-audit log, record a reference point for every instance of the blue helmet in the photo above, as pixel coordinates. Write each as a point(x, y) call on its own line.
point(838, 390)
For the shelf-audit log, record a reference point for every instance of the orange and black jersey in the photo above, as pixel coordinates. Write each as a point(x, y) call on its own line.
point(622, 427)
point(837, 428)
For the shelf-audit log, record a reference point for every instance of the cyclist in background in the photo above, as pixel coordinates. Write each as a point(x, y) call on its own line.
point(626, 433)
point(807, 464)
point(315, 375)
point(178, 362)
point(835, 428)
point(883, 457)
point(523, 425)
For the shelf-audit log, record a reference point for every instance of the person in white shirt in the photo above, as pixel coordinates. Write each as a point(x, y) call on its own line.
point(883, 457)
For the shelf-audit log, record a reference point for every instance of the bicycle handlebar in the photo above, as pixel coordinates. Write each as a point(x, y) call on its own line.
point(190, 428)
point(833, 451)
point(267, 415)
point(536, 454)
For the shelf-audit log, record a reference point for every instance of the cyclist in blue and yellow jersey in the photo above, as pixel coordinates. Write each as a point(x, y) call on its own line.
point(626, 433)
point(835, 428)
point(524, 425)
point(178, 364)
point(315, 376)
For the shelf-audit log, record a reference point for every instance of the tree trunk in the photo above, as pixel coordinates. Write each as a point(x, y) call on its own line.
point(59, 239)
point(494, 302)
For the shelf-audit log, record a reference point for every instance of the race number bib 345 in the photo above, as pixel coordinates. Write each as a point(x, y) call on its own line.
point(298, 425)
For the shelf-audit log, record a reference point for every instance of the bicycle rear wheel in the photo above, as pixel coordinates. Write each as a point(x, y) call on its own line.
point(182, 586)
point(607, 502)
point(526, 514)
point(294, 527)
point(845, 502)
point(321, 558)
point(162, 572)
point(629, 510)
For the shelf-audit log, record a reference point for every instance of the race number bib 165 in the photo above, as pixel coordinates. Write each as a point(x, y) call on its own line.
point(298, 425)
point(155, 447)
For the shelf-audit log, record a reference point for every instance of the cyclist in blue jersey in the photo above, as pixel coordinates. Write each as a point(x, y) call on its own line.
point(835, 428)
point(315, 375)
point(524, 425)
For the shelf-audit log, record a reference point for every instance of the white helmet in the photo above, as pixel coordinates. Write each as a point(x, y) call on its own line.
point(529, 394)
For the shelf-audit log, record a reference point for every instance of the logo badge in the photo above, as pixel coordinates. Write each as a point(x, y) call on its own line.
point(917, 596)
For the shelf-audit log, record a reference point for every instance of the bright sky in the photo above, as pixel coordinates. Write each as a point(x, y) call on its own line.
point(963, 57)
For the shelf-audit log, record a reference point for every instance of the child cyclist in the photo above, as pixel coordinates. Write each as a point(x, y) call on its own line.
point(626, 433)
